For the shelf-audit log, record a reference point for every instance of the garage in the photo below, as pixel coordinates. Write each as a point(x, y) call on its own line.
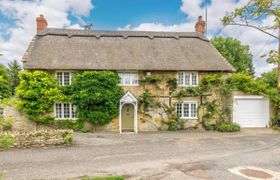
point(251, 111)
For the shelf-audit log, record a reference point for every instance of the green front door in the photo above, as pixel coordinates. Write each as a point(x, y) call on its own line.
point(127, 118)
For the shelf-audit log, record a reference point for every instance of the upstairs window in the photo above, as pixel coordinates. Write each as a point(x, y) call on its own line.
point(128, 78)
point(65, 111)
point(187, 78)
point(187, 110)
point(64, 78)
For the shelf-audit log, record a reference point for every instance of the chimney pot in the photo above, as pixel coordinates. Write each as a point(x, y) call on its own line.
point(200, 25)
point(41, 23)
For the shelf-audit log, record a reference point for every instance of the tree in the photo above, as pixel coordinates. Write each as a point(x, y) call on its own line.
point(4, 82)
point(251, 14)
point(97, 95)
point(38, 91)
point(235, 53)
point(270, 78)
point(14, 69)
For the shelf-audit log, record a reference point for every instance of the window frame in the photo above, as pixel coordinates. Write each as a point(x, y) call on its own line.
point(189, 73)
point(182, 105)
point(62, 111)
point(62, 77)
point(131, 80)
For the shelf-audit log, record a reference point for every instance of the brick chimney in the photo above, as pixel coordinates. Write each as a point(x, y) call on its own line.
point(41, 23)
point(200, 25)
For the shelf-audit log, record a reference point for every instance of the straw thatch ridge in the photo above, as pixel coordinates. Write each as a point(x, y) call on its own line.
point(67, 49)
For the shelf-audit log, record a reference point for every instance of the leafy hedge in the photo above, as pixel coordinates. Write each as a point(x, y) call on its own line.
point(38, 91)
point(227, 127)
point(97, 95)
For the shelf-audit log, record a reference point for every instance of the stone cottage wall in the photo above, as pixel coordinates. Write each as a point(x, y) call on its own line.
point(154, 121)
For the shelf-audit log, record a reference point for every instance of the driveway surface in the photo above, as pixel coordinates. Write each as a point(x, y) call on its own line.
point(161, 155)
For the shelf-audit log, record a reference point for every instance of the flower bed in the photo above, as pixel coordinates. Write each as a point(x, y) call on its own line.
point(42, 138)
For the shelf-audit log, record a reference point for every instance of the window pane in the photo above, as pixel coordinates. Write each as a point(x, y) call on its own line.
point(128, 78)
point(59, 77)
point(179, 110)
point(66, 78)
point(58, 111)
point(66, 110)
point(193, 110)
point(187, 79)
point(194, 78)
point(180, 78)
point(73, 111)
point(186, 110)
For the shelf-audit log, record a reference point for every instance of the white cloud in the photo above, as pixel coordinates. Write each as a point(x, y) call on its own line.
point(258, 42)
point(24, 14)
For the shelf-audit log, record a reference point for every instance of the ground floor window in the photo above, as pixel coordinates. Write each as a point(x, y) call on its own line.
point(65, 111)
point(187, 110)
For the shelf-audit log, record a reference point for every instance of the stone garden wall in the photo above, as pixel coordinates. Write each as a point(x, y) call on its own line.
point(42, 138)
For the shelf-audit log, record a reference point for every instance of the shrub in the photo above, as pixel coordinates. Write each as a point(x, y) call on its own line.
point(68, 138)
point(38, 91)
point(174, 124)
point(6, 141)
point(65, 124)
point(227, 127)
point(97, 95)
point(2, 176)
point(84, 130)
point(6, 124)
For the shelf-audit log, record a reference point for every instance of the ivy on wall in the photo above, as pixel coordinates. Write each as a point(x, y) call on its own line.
point(37, 92)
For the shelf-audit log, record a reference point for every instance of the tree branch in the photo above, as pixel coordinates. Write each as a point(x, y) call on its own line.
point(255, 27)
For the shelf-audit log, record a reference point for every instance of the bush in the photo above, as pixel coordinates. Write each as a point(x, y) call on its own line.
point(6, 124)
point(227, 127)
point(6, 141)
point(97, 95)
point(38, 91)
point(65, 124)
point(68, 138)
point(174, 124)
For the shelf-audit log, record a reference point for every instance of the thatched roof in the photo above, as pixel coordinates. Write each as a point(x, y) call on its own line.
point(122, 50)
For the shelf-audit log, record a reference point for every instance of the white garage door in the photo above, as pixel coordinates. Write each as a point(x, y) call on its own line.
point(251, 111)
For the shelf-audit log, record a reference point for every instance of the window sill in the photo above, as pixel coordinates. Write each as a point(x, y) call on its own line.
point(64, 119)
point(185, 118)
point(129, 85)
point(187, 85)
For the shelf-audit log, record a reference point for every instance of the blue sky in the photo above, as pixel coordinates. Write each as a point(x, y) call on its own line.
point(17, 21)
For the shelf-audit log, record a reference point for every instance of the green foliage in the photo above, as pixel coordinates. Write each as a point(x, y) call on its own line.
point(6, 124)
point(68, 138)
point(171, 84)
point(227, 127)
point(105, 178)
point(189, 92)
point(97, 95)
point(66, 124)
point(2, 176)
point(173, 122)
point(150, 79)
point(4, 82)
point(6, 141)
point(146, 100)
point(235, 53)
point(270, 78)
point(14, 68)
point(85, 130)
point(38, 91)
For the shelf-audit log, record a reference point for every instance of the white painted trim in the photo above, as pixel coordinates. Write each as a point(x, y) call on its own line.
point(129, 72)
point(70, 78)
point(62, 111)
point(189, 118)
point(249, 97)
point(134, 103)
point(184, 76)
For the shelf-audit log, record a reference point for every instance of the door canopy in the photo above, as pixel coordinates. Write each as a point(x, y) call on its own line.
point(128, 98)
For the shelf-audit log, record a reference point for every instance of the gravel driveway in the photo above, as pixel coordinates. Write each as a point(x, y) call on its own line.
point(161, 155)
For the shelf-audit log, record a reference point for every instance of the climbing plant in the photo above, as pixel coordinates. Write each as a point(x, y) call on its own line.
point(37, 92)
point(97, 95)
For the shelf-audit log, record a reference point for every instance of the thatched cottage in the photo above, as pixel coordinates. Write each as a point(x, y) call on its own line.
point(133, 54)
